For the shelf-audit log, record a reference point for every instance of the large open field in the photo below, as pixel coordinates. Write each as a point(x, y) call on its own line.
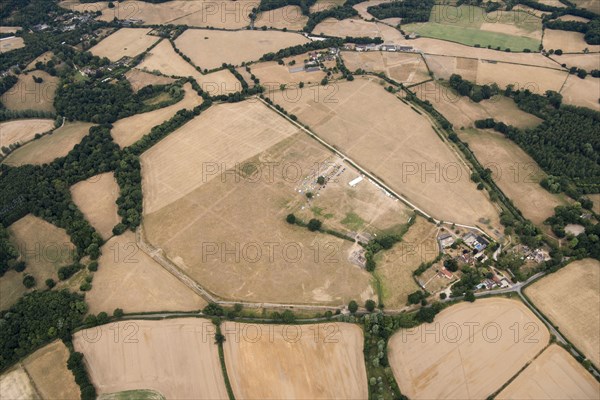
point(127, 131)
point(126, 42)
point(272, 74)
point(588, 62)
point(357, 28)
point(164, 59)
point(322, 361)
point(568, 42)
point(569, 298)
point(555, 375)
point(128, 278)
point(11, 43)
point(470, 25)
point(176, 357)
point(406, 68)
point(15, 384)
point(582, 92)
point(515, 172)
point(388, 138)
point(97, 197)
point(591, 5)
point(209, 49)
point(289, 17)
point(28, 95)
point(139, 79)
point(22, 130)
point(49, 147)
point(191, 182)
point(473, 353)
point(395, 266)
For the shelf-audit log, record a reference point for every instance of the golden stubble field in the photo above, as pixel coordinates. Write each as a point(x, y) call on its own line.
point(217, 192)
point(26, 94)
point(358, 28)
point(318, 361)
point(568, 42)
point(129, 279)
point(569, 298)
point(139, 79)
point(555, 375)
point(289, 17)
point(49, 147)
point(96, 197)
point(406, 68)
point(22, 130)
point(211, 48)
point(388, 138)
point(468, 352)
point(126, 42)
point(176, 357)
point(12, 43)
point(582, 92)
point(272, 75)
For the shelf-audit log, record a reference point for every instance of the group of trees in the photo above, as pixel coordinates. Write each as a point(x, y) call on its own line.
point(586, 243)
point(76, 365)
point(409, 10)
point(473, 91)
point(8, 254)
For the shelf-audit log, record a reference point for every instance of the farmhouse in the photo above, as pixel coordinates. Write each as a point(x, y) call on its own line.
point(475, 241)
point(445, 240)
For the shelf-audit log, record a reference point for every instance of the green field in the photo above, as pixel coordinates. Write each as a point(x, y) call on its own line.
point(515, 30)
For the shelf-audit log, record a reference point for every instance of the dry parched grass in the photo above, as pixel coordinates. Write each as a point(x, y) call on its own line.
point(126, 42)
point(22, 130)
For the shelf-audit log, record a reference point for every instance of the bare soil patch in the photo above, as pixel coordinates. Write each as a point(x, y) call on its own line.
point(566, 296)
point(582, 92)
point(22, 130)
point(126, 42)
point(568, 42)
point(26, 94)
point(176, 357)
point(358, 27)
point(405, 68)
point(321, 361)
point(555, 374)
point(97, 197)
point(49, 147)
point(139, 79)
point(209, 49)
point(461, 362)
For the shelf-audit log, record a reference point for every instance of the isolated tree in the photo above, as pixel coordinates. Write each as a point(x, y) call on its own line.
point(291, 219)
point(470, 296)
point(314, 225)
point(353, 306)
point(370, 305)
point(321, 180)
point(309, 195)
point(29, 281)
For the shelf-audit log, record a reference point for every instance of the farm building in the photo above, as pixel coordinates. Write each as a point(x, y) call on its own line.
point(445, 240)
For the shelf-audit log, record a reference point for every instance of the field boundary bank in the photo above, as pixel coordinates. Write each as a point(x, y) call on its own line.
point(497, 61)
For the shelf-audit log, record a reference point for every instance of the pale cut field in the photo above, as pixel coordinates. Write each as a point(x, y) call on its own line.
point(573, 18)
point(362, 7)
point(44, 58)
point(127, 131)
point(164, 59)
point(515, 172)
point(554, 375)
point(11, 43)
point(443, 66)
point(289, 17)
point(388, 138)
point(588, 62)
point(568, 42)
point(395, 266)
point(406, 68)
point(176, 357)
point(126, 42)
point(459, 362)
point(28, 95)
point(553, 3)
point(12, 288)
point(96, 197)
point(9, 29)
point(592, 5)
point(22, 130)
point(49, 147)
point(582, 92)
point(139, 79)
point(321, 361)
point(565, 297)
point(271, 74)
point(15, 384)
point(537, 80)
point(254, 244)
point(358, 28)
point(223, 134)
point(463, 112)
point(322, 5)
point(47, 367)
point(209, 49)
point(128, 278)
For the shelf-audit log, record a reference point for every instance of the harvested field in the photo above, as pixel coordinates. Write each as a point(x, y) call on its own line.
point(289, 17)
point(9, 29)
point(443, 67)
point(362, 7)
point(390, 143)
point(537, 80)
point(320, 361)
point(139, 79)
point(357, 28)
point(209, 49)
point(12, 288)
point(582, 92)
point(97, 197)
point(22, 130)
point(515, 172)
point(128, 278)
point(15, 384)
point(192, 181)
point(552, 3)
point(11, 43)
point(466, 359)
point(47, 367)
point(463, 112)
point(176, 357)
point(271, 74)
point(592, 5)
point(406, 68)
point(395, 266)
point(49, 147)
point(572, 18)
point(126, 42)
point(588, 62)
point(554, 375)
point(565, 297)
point(44, 58)
point(142, 394)
point(164, 59)
point(568, 42)
point(322, 5)
point(29, 95)
point(127, 131)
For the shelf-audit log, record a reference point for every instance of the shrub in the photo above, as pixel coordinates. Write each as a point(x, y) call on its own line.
point(93, 266)
point(314, 225)
point(353, 306)
point(29, 281)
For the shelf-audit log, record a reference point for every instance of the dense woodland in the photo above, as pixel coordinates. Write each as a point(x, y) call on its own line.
point(8, 254)
point(409, 10)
